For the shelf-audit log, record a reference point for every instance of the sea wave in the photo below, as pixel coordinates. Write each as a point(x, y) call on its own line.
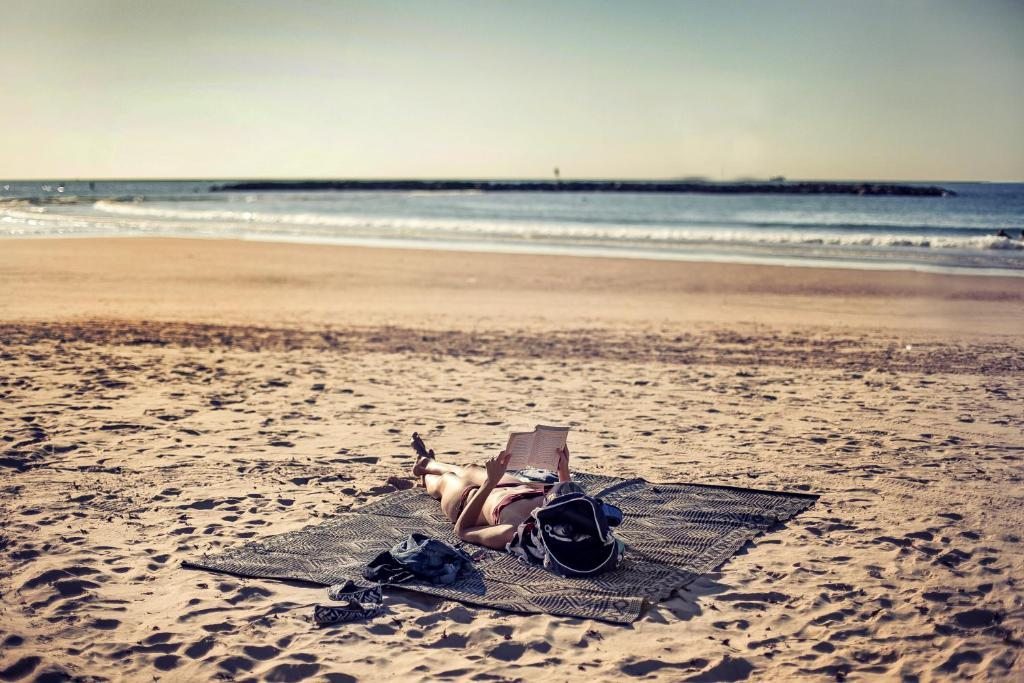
point(630, 233)
point(964, 223)
point(108, 217)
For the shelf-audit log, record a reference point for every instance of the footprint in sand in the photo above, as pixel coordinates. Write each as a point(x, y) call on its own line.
point(104, 624)
point(260, 652)
point(977, 618)
point(235, 665)
point(200, 648)
point(958, 659)
point(20, 669)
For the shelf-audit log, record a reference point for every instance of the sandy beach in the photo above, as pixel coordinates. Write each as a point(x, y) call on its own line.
point(163, 398)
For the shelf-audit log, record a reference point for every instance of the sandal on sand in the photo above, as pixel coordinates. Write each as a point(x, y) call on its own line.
point(421, 448)
point(363, 602)
point(350, 590)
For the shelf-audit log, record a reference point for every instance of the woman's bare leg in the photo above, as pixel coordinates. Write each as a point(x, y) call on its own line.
point(425, 466)
point(434, 483)
point(447, 483)
point(448, 488)
point(434, 479)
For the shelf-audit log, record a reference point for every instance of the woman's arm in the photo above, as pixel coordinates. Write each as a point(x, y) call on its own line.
point(471, 511)
point(466, 527)
point(496, 537)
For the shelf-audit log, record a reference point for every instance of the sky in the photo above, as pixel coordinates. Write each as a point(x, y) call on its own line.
point(901, 90)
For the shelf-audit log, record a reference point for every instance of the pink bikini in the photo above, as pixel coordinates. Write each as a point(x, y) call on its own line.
point(510, 497)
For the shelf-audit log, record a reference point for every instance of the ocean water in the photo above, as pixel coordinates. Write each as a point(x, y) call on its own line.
point(957, 233)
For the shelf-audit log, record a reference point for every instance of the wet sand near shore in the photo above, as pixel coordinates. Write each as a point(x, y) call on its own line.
point(164, 398)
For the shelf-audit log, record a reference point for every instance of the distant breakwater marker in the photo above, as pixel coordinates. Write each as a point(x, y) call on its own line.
point(647, 187)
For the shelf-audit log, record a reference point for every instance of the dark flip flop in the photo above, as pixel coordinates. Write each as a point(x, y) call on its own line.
point(350, 590)
point(421, 448)
point(362, 603)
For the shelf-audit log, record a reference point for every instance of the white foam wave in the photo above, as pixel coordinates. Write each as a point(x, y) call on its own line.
point(370, 226)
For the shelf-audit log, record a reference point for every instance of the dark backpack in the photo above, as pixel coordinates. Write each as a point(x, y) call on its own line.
point(571, 533)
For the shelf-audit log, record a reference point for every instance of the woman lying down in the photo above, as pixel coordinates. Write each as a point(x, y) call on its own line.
point(556, 525)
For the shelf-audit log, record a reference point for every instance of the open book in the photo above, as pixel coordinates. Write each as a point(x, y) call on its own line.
point(538, 448)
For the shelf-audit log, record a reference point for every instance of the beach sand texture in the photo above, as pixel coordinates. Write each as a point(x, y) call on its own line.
point(164, 398)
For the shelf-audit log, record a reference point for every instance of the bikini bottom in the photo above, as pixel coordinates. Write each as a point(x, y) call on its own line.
point(507, 500)
point(511, 498)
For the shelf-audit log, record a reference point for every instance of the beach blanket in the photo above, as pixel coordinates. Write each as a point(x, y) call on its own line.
point(673, 533)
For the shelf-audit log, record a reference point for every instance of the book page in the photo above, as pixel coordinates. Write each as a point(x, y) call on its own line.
point(520, 445)
point(546, 442)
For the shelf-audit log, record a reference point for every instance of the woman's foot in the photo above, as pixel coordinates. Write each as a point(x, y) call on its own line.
point(420, 469)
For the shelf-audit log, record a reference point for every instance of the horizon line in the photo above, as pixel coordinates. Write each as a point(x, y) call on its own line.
point(679, 179)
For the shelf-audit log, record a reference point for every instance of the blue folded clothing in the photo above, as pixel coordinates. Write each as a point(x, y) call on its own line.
point(419, 557)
